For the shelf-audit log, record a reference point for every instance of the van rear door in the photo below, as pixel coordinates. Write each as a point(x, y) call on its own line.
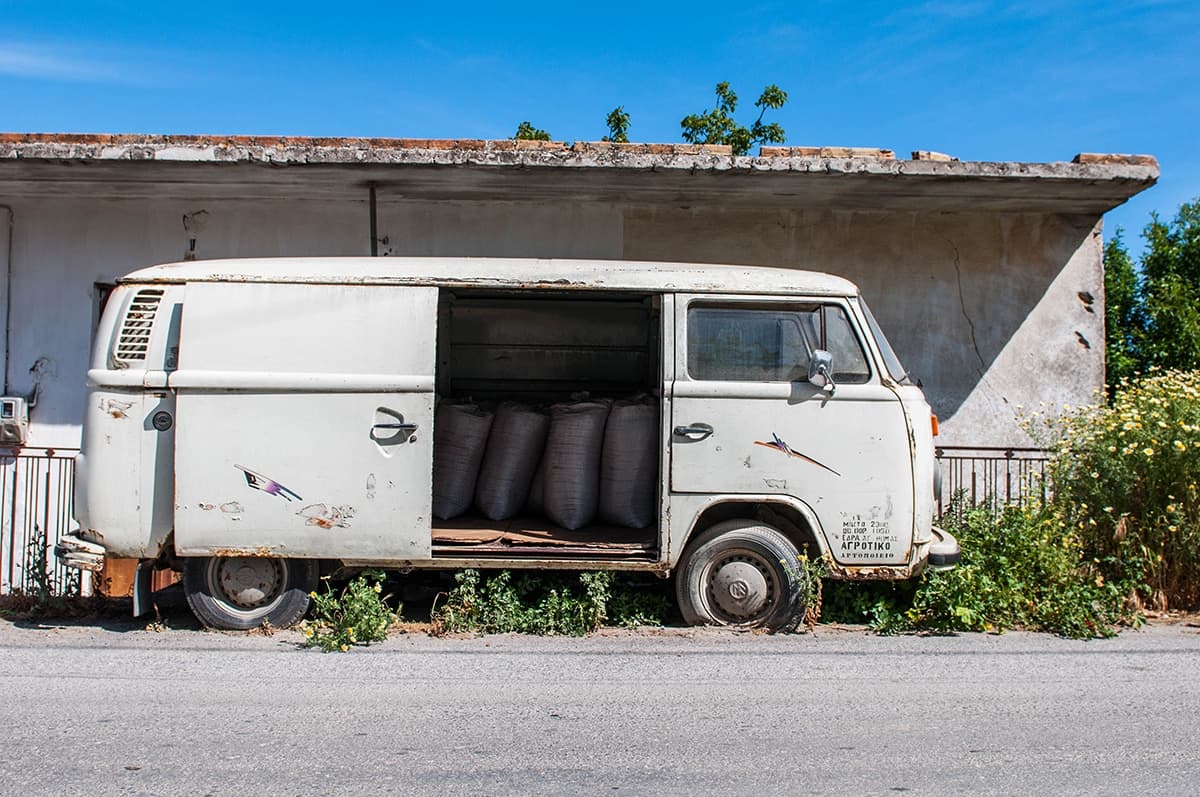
point(305, 420)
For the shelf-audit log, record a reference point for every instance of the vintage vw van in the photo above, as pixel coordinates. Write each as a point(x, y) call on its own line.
point(254, 423)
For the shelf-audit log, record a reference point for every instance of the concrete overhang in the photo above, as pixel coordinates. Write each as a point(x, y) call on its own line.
point(682, 175)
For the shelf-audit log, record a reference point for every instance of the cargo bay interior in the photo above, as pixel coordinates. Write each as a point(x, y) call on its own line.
point(547, 429)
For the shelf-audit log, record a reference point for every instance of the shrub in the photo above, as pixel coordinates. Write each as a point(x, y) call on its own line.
point(1124, 480)
point(1018, 571)
point(533, 603)
point(545, 603)
point(357, 615)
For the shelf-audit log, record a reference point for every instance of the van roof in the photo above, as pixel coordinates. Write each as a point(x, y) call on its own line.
point(484, 272)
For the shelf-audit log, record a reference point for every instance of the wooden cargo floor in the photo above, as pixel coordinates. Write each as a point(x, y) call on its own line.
point(529, 535)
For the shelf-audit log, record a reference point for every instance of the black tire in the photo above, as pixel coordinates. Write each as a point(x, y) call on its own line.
point(240, 593)
point(744, 574)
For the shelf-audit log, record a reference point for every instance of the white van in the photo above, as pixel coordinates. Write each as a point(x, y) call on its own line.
point(254, 423)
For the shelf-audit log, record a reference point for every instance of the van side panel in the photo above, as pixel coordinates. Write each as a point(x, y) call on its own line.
point(305, 421)
point(124, 473)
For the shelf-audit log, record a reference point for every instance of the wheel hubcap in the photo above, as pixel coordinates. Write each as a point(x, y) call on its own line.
point(740, 588)
point(249, 582)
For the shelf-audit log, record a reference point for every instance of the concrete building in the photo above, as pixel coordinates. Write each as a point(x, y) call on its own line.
point(987, 277)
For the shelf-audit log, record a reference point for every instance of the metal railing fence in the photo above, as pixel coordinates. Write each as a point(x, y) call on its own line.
point(994, 476)
point(36, 493)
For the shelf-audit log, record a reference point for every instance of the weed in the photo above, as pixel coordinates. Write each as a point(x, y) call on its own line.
point(356, 615)
point(633, 606)
point(531, 603)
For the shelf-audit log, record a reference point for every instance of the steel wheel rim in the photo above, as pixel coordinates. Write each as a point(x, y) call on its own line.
point(741, 587)
point(247, 585)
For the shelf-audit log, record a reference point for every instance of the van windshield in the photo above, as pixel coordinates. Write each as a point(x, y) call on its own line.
point(890, 360)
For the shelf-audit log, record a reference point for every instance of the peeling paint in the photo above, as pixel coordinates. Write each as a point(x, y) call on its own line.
point(776, 484)
point(326, 516)
point(232, 508)
point(117, 409)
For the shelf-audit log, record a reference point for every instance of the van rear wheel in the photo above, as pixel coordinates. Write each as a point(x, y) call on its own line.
point(743, 574)
point(244, 592)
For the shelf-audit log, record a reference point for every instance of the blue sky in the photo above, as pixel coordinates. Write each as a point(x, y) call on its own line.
point(1024, 81)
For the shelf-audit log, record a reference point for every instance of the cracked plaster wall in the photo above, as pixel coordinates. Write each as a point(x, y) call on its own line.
point(988, 310)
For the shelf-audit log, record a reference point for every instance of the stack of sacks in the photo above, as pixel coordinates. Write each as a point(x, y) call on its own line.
point(514, 449)
point(460, 433)
point(585, 460)
point(571, 464)
point(629, 464)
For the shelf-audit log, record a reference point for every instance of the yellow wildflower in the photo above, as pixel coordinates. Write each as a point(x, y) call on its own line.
point(344, 648)
point(1179, 446)
point(1148, 451)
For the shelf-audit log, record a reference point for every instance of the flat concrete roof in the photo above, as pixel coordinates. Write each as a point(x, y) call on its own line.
point(856, 178)
point(505, 273)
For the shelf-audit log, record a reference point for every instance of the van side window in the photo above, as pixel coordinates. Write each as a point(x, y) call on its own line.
point(770, 343)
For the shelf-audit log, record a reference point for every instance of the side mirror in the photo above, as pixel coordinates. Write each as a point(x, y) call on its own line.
point(820, 370)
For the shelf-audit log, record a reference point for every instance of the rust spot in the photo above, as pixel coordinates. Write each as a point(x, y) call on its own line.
point(117, 409)
point(259, 552)
point(868, 572)
point(327, 517)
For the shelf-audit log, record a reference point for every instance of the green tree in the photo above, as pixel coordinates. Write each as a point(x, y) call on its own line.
point(618, 125)
point(1153, 312)
point(717, 126)
point(527, 132)
point(1122, 315)
point(1171, 290)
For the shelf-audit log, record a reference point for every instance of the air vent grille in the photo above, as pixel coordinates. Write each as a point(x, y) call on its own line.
point(134, 341)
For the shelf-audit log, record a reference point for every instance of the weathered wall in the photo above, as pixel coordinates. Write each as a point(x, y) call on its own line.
point(63, 247)
point(994, 313)
point(984, 308)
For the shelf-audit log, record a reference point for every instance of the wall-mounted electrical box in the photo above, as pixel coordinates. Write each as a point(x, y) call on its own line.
point(14, 421)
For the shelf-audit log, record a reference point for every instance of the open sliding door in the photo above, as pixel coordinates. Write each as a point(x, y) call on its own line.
point(305, 421)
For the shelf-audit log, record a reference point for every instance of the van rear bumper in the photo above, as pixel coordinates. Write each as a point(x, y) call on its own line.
point(75, 552)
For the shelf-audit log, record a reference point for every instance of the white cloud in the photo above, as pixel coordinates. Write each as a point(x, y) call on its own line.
point(45, 62)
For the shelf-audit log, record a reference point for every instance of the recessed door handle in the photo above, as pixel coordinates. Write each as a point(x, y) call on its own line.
point(696, 431)
point(395, 427)
point(390, 434)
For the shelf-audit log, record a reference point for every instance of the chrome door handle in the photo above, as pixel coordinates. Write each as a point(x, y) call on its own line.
point(389, 434)
point(396, 427)
point(701, 429)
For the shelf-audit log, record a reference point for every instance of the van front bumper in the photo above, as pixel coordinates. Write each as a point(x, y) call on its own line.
point(944, 551)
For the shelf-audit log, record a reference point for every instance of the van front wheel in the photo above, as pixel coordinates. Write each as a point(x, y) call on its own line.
point(744, 574)
point(243, 592)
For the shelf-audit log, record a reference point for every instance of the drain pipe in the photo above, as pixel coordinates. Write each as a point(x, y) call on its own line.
point(374, 220)
point(8, 274)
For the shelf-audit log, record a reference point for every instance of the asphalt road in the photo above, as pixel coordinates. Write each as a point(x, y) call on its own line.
point(121, 710)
